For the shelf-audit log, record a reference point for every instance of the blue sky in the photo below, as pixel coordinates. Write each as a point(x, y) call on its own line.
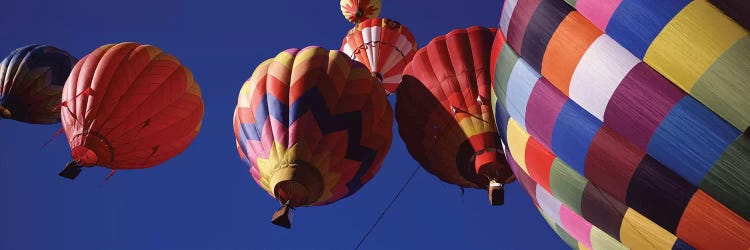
point(205, 198)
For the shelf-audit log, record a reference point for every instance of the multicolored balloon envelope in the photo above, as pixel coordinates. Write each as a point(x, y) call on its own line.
point(129, 106)
point(31, 82)
point(356, 11)
point(384, 46)
point(622, 153)
point(444, 113)
point(314, 127)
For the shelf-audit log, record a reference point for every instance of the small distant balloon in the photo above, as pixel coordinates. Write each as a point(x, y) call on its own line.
point(384, 46)
point(356, 11)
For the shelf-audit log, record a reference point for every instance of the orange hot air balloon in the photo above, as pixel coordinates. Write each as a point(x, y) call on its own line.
point(129, 106)
point(356, 11)
point(384, 46)
point(444, 113)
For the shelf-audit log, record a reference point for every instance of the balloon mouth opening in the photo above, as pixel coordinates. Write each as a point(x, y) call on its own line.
point(297, 184)
point(359, 13)
point(378, 76)
point(485, 159)
point(84, 156)
point(492, 165)
point(5, 113)
point(292, 193)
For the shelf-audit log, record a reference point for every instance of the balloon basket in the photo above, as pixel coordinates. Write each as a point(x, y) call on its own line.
point(70, 171)
point(282, 216)
point(496, 193)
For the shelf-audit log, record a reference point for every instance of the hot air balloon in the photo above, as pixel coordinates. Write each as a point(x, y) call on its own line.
point(31, 82)
point(384, 46)
point(621, 156)
point(314, 127)
point(444, 113)
point(129, 106)
point(356, 11)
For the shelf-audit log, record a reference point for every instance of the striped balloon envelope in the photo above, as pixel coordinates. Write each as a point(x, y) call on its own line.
point(617, 147)
point(314, 127)
point(31, 83)
point(444, 114)
point(384, 46)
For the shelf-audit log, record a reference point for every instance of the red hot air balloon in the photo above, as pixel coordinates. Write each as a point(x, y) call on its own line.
point(444, 112)
point(384, 46)
point(313, 126)
point(129, 106)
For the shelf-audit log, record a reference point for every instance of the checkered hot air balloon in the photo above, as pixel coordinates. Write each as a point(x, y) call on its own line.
point(129, 106)
point(445, 116)
point(314, 127)
point(626, 121)
point(31, 82)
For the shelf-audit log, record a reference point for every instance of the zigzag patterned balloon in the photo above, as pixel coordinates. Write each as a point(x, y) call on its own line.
point(313, 125)
point(31, 83)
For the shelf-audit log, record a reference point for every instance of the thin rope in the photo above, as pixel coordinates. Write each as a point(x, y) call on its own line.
point(388, 207)
point(58, 133)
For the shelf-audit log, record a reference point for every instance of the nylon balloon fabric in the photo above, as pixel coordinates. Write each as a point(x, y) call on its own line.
point(130, 106)
point(736, 9)
point(670, 124)
point(356, 11)
point(691, 43)
point(313, 125)
point(574, 230)
point(31, 83)
point(444, 113)
point(384, 46)
point(615, 142)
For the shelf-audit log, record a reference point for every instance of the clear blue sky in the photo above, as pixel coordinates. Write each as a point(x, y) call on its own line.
point(205, 198)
